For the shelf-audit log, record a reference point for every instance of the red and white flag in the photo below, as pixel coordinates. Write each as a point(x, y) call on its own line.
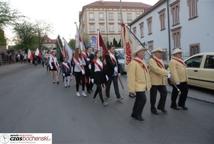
point(79, 41)
point(101, 45)
point(128, 42)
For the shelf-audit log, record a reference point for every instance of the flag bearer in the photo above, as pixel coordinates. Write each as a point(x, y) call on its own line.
point(99, 77)
point(138, 82)
point(177, 68)
point(158, 75)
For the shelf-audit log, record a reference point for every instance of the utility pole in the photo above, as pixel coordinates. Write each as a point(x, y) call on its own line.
point(169, 37)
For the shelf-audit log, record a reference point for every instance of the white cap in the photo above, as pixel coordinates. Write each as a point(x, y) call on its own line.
point(139, 48)
point(157, 50)
point(176, 50)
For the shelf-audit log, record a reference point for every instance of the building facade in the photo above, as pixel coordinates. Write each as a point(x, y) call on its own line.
point(190, 26)
point(48, 43)
point(106, 16)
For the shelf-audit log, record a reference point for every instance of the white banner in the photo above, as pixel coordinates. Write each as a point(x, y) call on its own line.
point(25, 138)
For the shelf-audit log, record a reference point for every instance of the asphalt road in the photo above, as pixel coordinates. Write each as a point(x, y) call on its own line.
point(30, 103)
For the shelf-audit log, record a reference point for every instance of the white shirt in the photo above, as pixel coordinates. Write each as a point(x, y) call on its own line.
point(78, 63)
point(98, 68)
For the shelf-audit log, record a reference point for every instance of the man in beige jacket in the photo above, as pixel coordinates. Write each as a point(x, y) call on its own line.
point(159, 76)
point(138, 82)
point(177, 68)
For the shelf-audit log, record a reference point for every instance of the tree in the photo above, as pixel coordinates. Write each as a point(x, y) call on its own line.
point(30, 35)
point(26, 35)
point(2, 38)
point(119, 44)
point(71, 43)
point(7, 15)
point(42, 28)
point(114, 42)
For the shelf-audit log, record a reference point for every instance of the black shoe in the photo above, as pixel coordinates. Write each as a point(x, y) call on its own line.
point(57, 82)
point(154, 112)
point(139, 118)
point(162, 110)
point(175, 107)
point(184, 108)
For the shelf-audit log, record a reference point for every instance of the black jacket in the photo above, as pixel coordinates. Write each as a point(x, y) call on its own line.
point(110, 65)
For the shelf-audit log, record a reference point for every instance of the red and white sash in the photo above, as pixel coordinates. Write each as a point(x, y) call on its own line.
point(85, 54)
point(179, 60)
point(77, 62)
point(159, 62)
point(113, 59)
point(66, 65)
point(98, 64)
point(141, 63)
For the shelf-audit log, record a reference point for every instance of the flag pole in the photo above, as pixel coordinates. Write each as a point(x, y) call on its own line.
point(79, 35)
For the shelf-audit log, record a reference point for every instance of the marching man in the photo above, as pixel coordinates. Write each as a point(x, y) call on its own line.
point(159, 76)
point(112, 70)
point(138, 82)
point(177, 68)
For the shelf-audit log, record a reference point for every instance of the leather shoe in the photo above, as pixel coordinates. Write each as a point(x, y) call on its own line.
point(139, 118)
point(175, 108)
point(184, 108)
point(163, 110)
point(154, 112)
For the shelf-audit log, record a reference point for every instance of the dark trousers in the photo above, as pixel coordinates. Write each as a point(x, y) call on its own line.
point(99, 90)
point(139, 104)
point(116, 87)
point(183, 96)
point(153, 95)
point(80, 79)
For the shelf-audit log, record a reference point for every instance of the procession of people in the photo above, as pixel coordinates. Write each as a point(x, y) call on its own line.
point(94, 74)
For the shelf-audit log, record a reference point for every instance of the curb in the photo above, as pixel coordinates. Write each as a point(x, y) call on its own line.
point(201, 100)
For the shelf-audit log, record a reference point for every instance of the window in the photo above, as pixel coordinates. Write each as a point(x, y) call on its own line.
point(119, 16)
point(129, 17)
point(194, 49)
point(91, 16)
point(119, 27)
point(111, 16)
point(209, 62)
point(193, 9)
point(162, 19)
point(150, 45)
point(138, 14)
point(92, 27)
point(175, 7)
point(134, 30)
point(101, 16)
point(111, 27)
point(194, 62)
point(102, 27)
point(141, 29)
point(149, 23)
point(176, 36)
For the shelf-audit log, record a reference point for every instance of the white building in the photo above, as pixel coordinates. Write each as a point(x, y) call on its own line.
point(106, 16)
point(190, 28)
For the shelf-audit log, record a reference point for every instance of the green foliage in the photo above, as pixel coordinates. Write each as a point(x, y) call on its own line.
point(2, 38)
point(71, 43)
point(29, 35)
point(7, 15)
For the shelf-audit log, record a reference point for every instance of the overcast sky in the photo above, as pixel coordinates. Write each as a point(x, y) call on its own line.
point(61, 14)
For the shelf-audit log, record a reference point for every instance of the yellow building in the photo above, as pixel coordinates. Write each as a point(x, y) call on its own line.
point(106, 16)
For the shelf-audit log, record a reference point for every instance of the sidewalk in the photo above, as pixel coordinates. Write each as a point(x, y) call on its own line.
point(199, 94)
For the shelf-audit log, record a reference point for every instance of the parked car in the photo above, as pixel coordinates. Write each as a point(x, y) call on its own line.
point(200, 70)
point(120, 54)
